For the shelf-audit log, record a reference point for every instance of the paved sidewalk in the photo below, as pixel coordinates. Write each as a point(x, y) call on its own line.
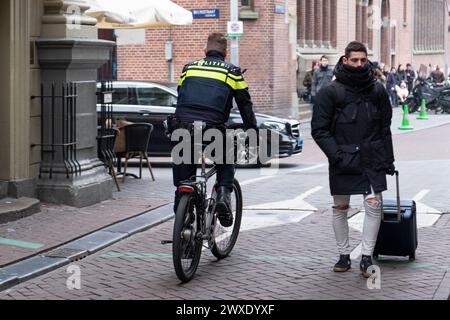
point(57, 224)
point(290, 262)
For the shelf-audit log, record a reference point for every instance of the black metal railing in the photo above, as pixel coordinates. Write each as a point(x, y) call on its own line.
point(58, 129)
point(106, 131)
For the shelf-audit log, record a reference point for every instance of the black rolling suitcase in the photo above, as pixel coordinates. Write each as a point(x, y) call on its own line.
point(398, 230)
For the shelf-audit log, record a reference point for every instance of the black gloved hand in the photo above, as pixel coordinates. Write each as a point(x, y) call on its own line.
point(390, 170)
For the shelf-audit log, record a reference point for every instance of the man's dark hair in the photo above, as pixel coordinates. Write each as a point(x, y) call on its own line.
point(354, 46)
point(217, 42)
point(323, 57)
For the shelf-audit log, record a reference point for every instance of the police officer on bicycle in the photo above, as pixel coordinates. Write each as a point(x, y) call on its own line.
point(205, 93)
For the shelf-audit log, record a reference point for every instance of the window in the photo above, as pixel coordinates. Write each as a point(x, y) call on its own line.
point(120, 96)
point(429, 25)
point(153, 96)
point(246, 4)
point(247, 11)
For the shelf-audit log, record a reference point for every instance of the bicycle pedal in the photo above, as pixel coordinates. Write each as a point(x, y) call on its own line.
point(164, 242)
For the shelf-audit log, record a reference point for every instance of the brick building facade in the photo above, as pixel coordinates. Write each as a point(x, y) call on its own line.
point(267, 50)
point(282, 37)
point(396, 32)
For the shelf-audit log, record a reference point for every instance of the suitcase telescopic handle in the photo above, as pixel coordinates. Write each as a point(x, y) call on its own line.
point(399, 209)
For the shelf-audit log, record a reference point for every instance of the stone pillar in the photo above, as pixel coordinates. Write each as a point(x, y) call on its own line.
point(358, 35)
point(327, 23)
point(301, 22)
point(364, 27)
point(15, 176)
point(65, 19)
point(371, 16)
point(318, 22)
point(69, 51)
point(333, 23)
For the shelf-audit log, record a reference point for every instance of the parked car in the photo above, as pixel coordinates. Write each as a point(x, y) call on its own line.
point(139, 101)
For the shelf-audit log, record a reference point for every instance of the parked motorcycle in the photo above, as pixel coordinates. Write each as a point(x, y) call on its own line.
point(436, 96)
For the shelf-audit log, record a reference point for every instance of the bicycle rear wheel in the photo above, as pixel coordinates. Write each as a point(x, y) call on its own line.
point(225, 238)
point(186, 249)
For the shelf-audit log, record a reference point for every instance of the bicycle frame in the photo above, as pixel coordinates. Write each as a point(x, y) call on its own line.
point(205, 212)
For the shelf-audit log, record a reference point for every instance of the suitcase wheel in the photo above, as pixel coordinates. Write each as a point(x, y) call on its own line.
point(412, 257)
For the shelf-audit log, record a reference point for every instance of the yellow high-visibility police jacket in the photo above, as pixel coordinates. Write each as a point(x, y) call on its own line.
point(206, 90)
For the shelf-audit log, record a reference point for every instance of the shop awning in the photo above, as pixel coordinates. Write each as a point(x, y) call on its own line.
point(137, 14)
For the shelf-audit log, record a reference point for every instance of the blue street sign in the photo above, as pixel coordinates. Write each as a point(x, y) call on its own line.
point(206, 13)
point(279, 8)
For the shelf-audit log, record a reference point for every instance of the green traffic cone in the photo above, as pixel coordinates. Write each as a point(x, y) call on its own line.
point(405, 122)
point(423, 111)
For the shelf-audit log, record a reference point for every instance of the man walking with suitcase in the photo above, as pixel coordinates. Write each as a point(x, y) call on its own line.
point(351, 124)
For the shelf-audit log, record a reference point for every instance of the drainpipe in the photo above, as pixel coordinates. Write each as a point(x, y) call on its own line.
point(234, 15)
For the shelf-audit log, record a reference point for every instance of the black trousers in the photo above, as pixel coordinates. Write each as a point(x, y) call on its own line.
point(183, 172)
point(188, 171)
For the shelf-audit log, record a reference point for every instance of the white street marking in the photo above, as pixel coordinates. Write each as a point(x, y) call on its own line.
point(357, 221)
point(310, 192)
point(421, 195)
point(310, 168)
point(423, 208)
point(356, 252)
point(424, 220)
point(298, 203)
point(427, 219)
point(251, 181)
point(256, 220)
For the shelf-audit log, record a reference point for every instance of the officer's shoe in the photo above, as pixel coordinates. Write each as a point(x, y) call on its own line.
point(223, 207)
point(366, 262)
point(344, 264)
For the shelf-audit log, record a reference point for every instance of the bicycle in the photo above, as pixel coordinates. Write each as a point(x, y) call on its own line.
point(196, 222)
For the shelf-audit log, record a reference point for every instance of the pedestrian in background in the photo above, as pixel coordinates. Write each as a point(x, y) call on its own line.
point(411, 77)
point(351, 124)
point(322, 77)
point(391, 84)
point(438, 76)
point(401, 74)
point(402, 92)
point(307, 82)
point(379, 74)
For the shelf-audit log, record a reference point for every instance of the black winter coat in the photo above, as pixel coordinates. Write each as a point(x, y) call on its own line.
point(356, 136)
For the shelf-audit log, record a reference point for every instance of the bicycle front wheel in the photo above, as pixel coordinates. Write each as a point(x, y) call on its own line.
point(225, 238)
point(186, 248)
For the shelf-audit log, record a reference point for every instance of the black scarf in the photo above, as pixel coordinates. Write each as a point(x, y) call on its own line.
point(359, 79)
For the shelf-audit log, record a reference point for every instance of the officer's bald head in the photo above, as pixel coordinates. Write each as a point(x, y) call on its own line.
point(217, 42)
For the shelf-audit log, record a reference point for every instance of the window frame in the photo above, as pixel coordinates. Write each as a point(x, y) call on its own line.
point(247, 11)
point(248, 6)
point(171, 98)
